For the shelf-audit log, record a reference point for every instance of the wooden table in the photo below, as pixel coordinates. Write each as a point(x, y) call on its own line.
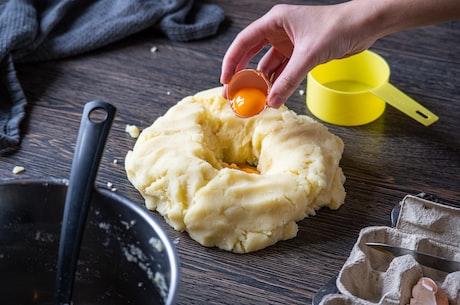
point(383, 161)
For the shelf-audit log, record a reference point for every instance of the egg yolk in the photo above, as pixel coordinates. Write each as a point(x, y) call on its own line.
point(248, 169)
point(248, 102)
point(245, 168)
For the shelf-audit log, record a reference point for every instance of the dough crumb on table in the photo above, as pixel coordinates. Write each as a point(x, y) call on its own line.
point(132, 130)
point(18, 170)
point(239, 184)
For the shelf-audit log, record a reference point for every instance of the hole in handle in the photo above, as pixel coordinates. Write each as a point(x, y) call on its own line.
point(422, 114)
point(98, 115)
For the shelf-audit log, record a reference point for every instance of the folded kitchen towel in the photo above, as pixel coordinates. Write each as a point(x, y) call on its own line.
point(32, 31)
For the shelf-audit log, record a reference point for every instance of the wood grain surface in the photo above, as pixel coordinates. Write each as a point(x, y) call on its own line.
point(383, 161)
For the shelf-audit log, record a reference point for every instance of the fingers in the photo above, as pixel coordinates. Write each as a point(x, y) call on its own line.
point(272, 62)
point(287, 79)
point(224, 91)
point(246, 45)
point(236, 58)
point(286, 74)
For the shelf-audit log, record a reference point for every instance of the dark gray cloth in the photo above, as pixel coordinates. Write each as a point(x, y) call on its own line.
point(40, 30)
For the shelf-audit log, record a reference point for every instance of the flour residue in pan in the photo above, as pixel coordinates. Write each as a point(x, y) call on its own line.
point(136, 255)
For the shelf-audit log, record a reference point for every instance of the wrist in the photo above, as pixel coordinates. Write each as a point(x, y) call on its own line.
point(374, 19)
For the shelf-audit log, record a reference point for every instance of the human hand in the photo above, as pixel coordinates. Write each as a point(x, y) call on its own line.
point(301, 37)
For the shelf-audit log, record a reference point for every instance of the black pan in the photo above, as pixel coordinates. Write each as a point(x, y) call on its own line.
point(120, 261)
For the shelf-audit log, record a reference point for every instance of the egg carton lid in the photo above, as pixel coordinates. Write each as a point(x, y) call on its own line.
point(435, 220)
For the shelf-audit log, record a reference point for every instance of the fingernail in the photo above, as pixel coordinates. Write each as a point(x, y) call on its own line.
point(224, 78)
point(275, 101)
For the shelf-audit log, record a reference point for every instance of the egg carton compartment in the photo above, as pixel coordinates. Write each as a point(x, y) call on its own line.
point(371, 277)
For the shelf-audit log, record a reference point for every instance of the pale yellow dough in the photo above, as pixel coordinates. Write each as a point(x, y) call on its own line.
point(180, 165)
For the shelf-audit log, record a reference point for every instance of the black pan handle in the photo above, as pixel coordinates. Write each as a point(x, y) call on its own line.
point(95, 125)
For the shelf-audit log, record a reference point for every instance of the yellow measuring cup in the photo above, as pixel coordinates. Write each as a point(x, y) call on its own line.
point(354, 91)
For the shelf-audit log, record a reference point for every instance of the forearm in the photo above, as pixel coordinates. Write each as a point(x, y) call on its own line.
point(384, 17)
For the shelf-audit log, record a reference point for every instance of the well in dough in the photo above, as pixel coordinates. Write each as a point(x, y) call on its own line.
point(185, 167)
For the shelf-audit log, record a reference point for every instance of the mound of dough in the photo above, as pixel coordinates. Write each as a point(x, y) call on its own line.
point(186, 166)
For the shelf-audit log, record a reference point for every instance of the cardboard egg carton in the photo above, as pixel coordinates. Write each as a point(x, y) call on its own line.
point(370, 277)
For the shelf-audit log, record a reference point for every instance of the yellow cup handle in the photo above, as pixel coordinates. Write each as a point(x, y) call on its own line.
point(405, 104)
